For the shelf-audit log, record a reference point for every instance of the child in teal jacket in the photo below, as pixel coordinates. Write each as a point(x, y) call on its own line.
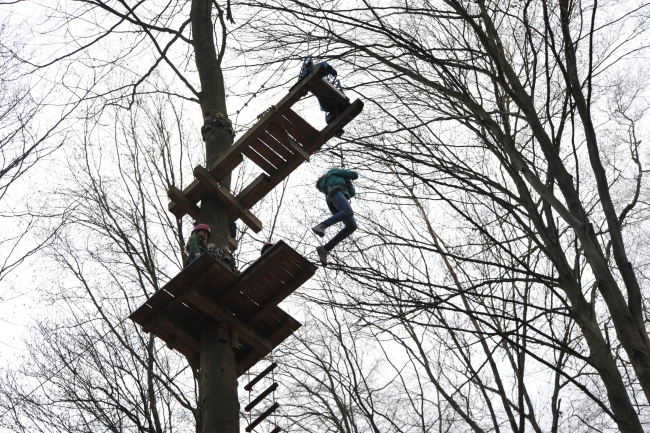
point(338, 188)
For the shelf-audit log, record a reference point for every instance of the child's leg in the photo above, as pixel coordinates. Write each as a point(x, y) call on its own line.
point(344, 215)
point(350, 227)
point(340, 207)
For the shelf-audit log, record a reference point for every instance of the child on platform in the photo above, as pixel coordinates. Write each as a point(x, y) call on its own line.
point(337, 186)
point(196, 244)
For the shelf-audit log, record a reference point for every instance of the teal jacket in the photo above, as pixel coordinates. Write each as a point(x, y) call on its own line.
point(340, 178)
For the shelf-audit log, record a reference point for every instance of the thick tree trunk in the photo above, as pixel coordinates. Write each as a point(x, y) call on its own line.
point(218, 382)
point(218, 393)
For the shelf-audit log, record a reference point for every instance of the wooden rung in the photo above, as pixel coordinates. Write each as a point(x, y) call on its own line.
point(263, 416)
point(222, 193)
point(305, 131)
point(181, 200)
point(261, 397)
point(201, 301)
point(249, 386)
point(280, 134)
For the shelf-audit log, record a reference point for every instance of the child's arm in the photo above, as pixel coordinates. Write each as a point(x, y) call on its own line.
point(193, 244)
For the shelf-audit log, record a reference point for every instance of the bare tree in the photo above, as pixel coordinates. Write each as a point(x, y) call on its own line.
point(96, 369)
point(501, 113)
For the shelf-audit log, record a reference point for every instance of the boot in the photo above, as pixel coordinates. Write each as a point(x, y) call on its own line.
point(322, 255)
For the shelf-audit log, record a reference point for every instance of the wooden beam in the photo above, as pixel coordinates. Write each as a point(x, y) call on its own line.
point(225, 197)
point(181, 200)
point(220, 172)
point(178, 328)
point(258, 187)
point(286, 290)
point(201, 301)
point(232, 244)
point(286, 328)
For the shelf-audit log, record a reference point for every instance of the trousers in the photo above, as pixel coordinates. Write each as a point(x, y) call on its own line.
point(341, 212)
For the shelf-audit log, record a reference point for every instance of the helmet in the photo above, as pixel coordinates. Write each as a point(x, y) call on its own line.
point(267, 246)
point(202, 227)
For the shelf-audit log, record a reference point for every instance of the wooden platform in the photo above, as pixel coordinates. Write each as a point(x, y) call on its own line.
point(278, 143)
point(247, 303)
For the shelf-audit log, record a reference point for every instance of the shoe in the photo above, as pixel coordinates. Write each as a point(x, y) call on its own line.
point(322, 255)
point(319, 230)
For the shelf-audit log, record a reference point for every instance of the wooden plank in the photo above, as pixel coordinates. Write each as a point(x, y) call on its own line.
point(291, 98)
point(232, 244)
point(186, 206)
point(154, 321)
point(259, 161)
point(227, 199)
point(275, 144)
point(301, 124)
point(253, 271)
point(268, 153)
point(259, 187)
point(297, 148)
point(218, 313)
point(288, 289)
point(297, 133)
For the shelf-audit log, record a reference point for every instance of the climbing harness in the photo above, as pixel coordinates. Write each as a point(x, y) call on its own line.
point(223, 255)
point(218, 121)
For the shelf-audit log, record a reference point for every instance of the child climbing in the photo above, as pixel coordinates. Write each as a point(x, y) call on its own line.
point(196, 243)
point(337, 186)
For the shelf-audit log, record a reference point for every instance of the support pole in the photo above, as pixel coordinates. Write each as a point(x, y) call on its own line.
point(218, 374)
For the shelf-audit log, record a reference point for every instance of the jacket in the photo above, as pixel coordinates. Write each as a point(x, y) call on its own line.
point(195, 244)
point(337, 178)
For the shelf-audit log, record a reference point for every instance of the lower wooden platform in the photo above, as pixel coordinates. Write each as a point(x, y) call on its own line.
point(247, 303)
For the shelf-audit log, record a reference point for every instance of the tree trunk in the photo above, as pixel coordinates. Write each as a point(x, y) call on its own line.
point(218, 382)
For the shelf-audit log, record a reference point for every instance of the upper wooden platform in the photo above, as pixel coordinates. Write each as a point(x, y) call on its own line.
point(278, 143)
point(247, 303)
